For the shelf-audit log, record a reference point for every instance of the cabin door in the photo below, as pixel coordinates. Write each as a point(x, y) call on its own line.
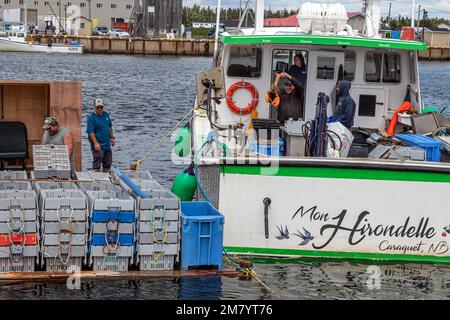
point(323, 74)
point(370, 107)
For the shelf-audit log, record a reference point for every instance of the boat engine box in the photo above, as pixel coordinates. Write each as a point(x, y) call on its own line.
point(295, 141)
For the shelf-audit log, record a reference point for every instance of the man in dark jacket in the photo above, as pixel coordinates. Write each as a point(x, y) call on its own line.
point(346, 106)
point(291, 99)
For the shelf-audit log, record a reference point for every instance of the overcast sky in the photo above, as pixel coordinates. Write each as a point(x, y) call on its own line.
point(436, 8)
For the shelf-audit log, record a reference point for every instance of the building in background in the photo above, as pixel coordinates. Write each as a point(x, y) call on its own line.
point(436, 37)
point(356, 21)
point(157, 17)
point(100, 12)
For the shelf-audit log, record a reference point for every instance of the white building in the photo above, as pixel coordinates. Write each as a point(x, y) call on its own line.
point(101, 12)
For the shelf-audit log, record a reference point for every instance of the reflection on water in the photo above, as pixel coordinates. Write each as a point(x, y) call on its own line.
point(146, 97)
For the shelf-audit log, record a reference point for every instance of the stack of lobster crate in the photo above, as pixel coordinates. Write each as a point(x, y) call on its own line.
point(112, 226)
point(64, 219)
point(19, 224)
point(158, 227)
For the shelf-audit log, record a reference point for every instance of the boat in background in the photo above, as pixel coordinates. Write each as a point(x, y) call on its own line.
point(13, 38)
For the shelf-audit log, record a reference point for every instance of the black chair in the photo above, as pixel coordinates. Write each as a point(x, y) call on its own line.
point(13, 143)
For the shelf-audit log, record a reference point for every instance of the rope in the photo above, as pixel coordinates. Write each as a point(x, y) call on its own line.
point(156, 256)
point(165, 233)
point(156, 146)
point(251, 273)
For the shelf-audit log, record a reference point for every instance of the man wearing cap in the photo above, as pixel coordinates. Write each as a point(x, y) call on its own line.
point(101, 137)
point(54, 135)
point(291, 99)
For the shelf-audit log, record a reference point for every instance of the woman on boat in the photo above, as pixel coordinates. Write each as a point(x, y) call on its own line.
point(298, 69)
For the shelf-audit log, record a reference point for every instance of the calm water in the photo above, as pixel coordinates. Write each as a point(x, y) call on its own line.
point(146, 96)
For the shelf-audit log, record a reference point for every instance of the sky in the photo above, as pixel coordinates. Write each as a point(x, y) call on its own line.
point(435, 8)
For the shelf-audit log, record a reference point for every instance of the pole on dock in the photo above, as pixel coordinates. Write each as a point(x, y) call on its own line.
point(216, 42)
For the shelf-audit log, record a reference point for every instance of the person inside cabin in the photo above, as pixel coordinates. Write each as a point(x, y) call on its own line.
point(101, 137)
point(298, 69)
point(291, 99)
point(55, 135)
point(346, 106)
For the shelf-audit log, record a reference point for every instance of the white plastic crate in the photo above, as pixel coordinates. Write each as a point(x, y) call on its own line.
point(110, 263)
point(26, 200)
point(13, 175)
point(110, 200)
point(52, 264)
point(17, 264)
point(134, 175)
point(51, 161)
point(158, 237)
point(152, 263)
point(93, 176)
point(15, 185)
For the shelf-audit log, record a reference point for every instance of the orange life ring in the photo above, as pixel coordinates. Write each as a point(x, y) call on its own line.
point(251, 106)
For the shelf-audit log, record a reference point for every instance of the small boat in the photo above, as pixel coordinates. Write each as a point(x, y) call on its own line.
point(14, 39)
point(317, 206)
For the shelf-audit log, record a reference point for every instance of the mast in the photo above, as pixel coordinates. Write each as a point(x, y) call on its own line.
point(259, 15)
point(216, 41)
point(413, 13)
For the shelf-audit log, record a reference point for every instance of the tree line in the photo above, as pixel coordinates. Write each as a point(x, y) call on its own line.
point(198, 13)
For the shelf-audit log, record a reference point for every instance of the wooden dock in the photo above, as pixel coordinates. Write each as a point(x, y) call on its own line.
point(435, 53)
point(133, 45)
point(7, 278)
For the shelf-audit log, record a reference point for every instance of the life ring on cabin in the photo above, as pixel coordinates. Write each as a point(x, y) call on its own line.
point(251, 106)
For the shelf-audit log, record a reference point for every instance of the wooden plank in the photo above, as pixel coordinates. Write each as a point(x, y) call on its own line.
point(66, 104)
point(8, 277)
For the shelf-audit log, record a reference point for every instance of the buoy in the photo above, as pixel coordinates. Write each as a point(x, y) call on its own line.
point(183, 142)
point(185, 185)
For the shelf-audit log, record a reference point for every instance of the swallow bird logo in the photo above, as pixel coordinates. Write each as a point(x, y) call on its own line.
point(284, 233)
point(305, 236)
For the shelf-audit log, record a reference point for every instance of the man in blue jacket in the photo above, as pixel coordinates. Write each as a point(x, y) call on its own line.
point(346, 106)
point(101, 137)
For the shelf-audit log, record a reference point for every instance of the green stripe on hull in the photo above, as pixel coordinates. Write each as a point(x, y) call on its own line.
point(342, 173)
point(339, 255)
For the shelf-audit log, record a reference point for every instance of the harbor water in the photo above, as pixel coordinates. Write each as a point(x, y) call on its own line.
point(146, 97)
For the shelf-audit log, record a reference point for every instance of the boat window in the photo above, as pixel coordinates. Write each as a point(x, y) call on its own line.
point(391, 70)
point(382, 67)
point(245, 62)
point(412, 67)
point(373, 66)
point(349, 65)
point(325, 68)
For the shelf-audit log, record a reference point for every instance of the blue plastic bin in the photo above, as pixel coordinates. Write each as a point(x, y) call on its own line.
point(432, 147)
point(201, 235)
point(275, 150)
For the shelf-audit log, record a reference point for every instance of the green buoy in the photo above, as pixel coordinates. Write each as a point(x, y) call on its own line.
point(183, 142)
point(185, 185)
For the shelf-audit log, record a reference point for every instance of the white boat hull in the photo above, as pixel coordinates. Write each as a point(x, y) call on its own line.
point(18, 46)
point(336, 212)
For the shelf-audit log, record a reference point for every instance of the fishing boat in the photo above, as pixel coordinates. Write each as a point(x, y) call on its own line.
point(317, 206)
point(14, 39)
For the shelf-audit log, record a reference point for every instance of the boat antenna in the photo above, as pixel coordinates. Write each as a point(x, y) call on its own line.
point(216, 40)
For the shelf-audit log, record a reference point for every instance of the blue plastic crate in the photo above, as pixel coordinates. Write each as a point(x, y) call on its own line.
point(105, 216)
point(201, 235)
point(432, 147)
point(276, 149)
point(125, 240)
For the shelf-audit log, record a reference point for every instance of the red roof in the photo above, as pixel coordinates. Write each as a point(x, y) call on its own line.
point(281, 22)
point(351, 14)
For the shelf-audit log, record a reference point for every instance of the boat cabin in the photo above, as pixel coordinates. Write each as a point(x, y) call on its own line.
point(380, 71)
